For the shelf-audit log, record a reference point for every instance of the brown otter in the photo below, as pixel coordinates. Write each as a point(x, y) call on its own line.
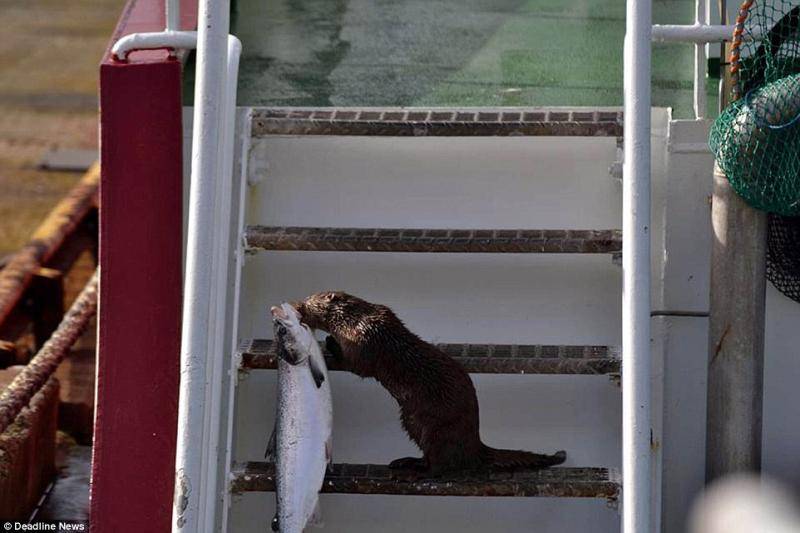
point(438, 404)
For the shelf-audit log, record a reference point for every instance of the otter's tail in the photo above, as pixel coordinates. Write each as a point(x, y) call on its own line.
point(519, 459)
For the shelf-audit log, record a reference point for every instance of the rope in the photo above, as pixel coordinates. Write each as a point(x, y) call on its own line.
point(36, 373)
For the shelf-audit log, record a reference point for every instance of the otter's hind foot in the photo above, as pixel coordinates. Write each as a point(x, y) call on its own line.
point(414, 464)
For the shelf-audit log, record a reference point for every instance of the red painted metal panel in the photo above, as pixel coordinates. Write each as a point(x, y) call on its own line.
point(140, 285)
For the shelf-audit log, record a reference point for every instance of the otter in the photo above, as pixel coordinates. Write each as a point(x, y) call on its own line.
point(438, 403)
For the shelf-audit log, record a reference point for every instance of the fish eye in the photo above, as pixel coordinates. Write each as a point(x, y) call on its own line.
point(281, 329)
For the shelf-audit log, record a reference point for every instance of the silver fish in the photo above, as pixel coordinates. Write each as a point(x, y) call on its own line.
point(300, 445)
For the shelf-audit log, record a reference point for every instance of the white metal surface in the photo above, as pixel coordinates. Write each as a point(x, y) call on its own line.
point(636, 364)
point(683, 279)
point(199, 409)
point(230, 375)
point(684, 414)
point(173, 40)
point(684, 206)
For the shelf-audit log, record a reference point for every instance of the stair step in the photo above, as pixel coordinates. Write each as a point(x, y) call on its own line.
point(433, 240)
point(377, 479)
point(483, 358)
point(404, 122)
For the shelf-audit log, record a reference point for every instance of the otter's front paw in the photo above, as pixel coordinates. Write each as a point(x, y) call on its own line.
point(415, 464)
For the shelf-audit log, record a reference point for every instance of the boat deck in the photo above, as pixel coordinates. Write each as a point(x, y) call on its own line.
point(450, 53)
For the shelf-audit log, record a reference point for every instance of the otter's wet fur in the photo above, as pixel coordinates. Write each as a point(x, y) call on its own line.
point(438, 404)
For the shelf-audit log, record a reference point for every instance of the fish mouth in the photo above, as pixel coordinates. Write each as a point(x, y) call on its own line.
point(284, 313)
point(286, 321)
point(278, 313)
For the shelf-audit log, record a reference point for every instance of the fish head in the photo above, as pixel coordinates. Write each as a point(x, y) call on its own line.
point(293, 338)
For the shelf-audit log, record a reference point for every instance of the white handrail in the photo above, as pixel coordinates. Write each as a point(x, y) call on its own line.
point(636, 415)
point(692, 33)
point(173, 40)
point(698, 33)
point(219, 344)
point(196, 478)
point(700, 64)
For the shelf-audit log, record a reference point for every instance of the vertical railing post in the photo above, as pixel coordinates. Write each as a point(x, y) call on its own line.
point(172, 14)
point(700, 60)
point(198, 411)
point(636, 416)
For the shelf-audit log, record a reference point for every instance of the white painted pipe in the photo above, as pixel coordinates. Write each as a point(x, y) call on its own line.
point(172, 14)
point(636, 415)
point(173, 40)
point(700, 64)
point(223, 248)
point(193, 455)
point(693, 33)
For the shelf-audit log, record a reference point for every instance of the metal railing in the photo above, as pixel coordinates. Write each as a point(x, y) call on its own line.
point(207, 248)
point(700, 34)
point(636, 223)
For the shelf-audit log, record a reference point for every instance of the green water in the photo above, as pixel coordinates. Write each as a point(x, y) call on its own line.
point(449, 53)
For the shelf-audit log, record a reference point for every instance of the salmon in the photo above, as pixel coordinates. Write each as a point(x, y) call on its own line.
point(300, 445)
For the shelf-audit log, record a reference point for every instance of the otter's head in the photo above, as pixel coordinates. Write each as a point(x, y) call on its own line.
point(319, 310)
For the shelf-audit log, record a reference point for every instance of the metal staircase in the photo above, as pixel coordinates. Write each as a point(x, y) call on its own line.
point(257, 355)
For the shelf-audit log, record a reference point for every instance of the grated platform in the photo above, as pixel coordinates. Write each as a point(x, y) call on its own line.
point(483, 358)
point(379, 479)
point(433, 240)
point(439, 122)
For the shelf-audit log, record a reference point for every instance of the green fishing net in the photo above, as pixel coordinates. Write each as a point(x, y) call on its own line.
point(757, 138)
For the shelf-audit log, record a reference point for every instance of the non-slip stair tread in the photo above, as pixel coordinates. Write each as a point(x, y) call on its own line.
point(420, 240)
point(483, 358)
point(379, 479)
point(444, 122)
